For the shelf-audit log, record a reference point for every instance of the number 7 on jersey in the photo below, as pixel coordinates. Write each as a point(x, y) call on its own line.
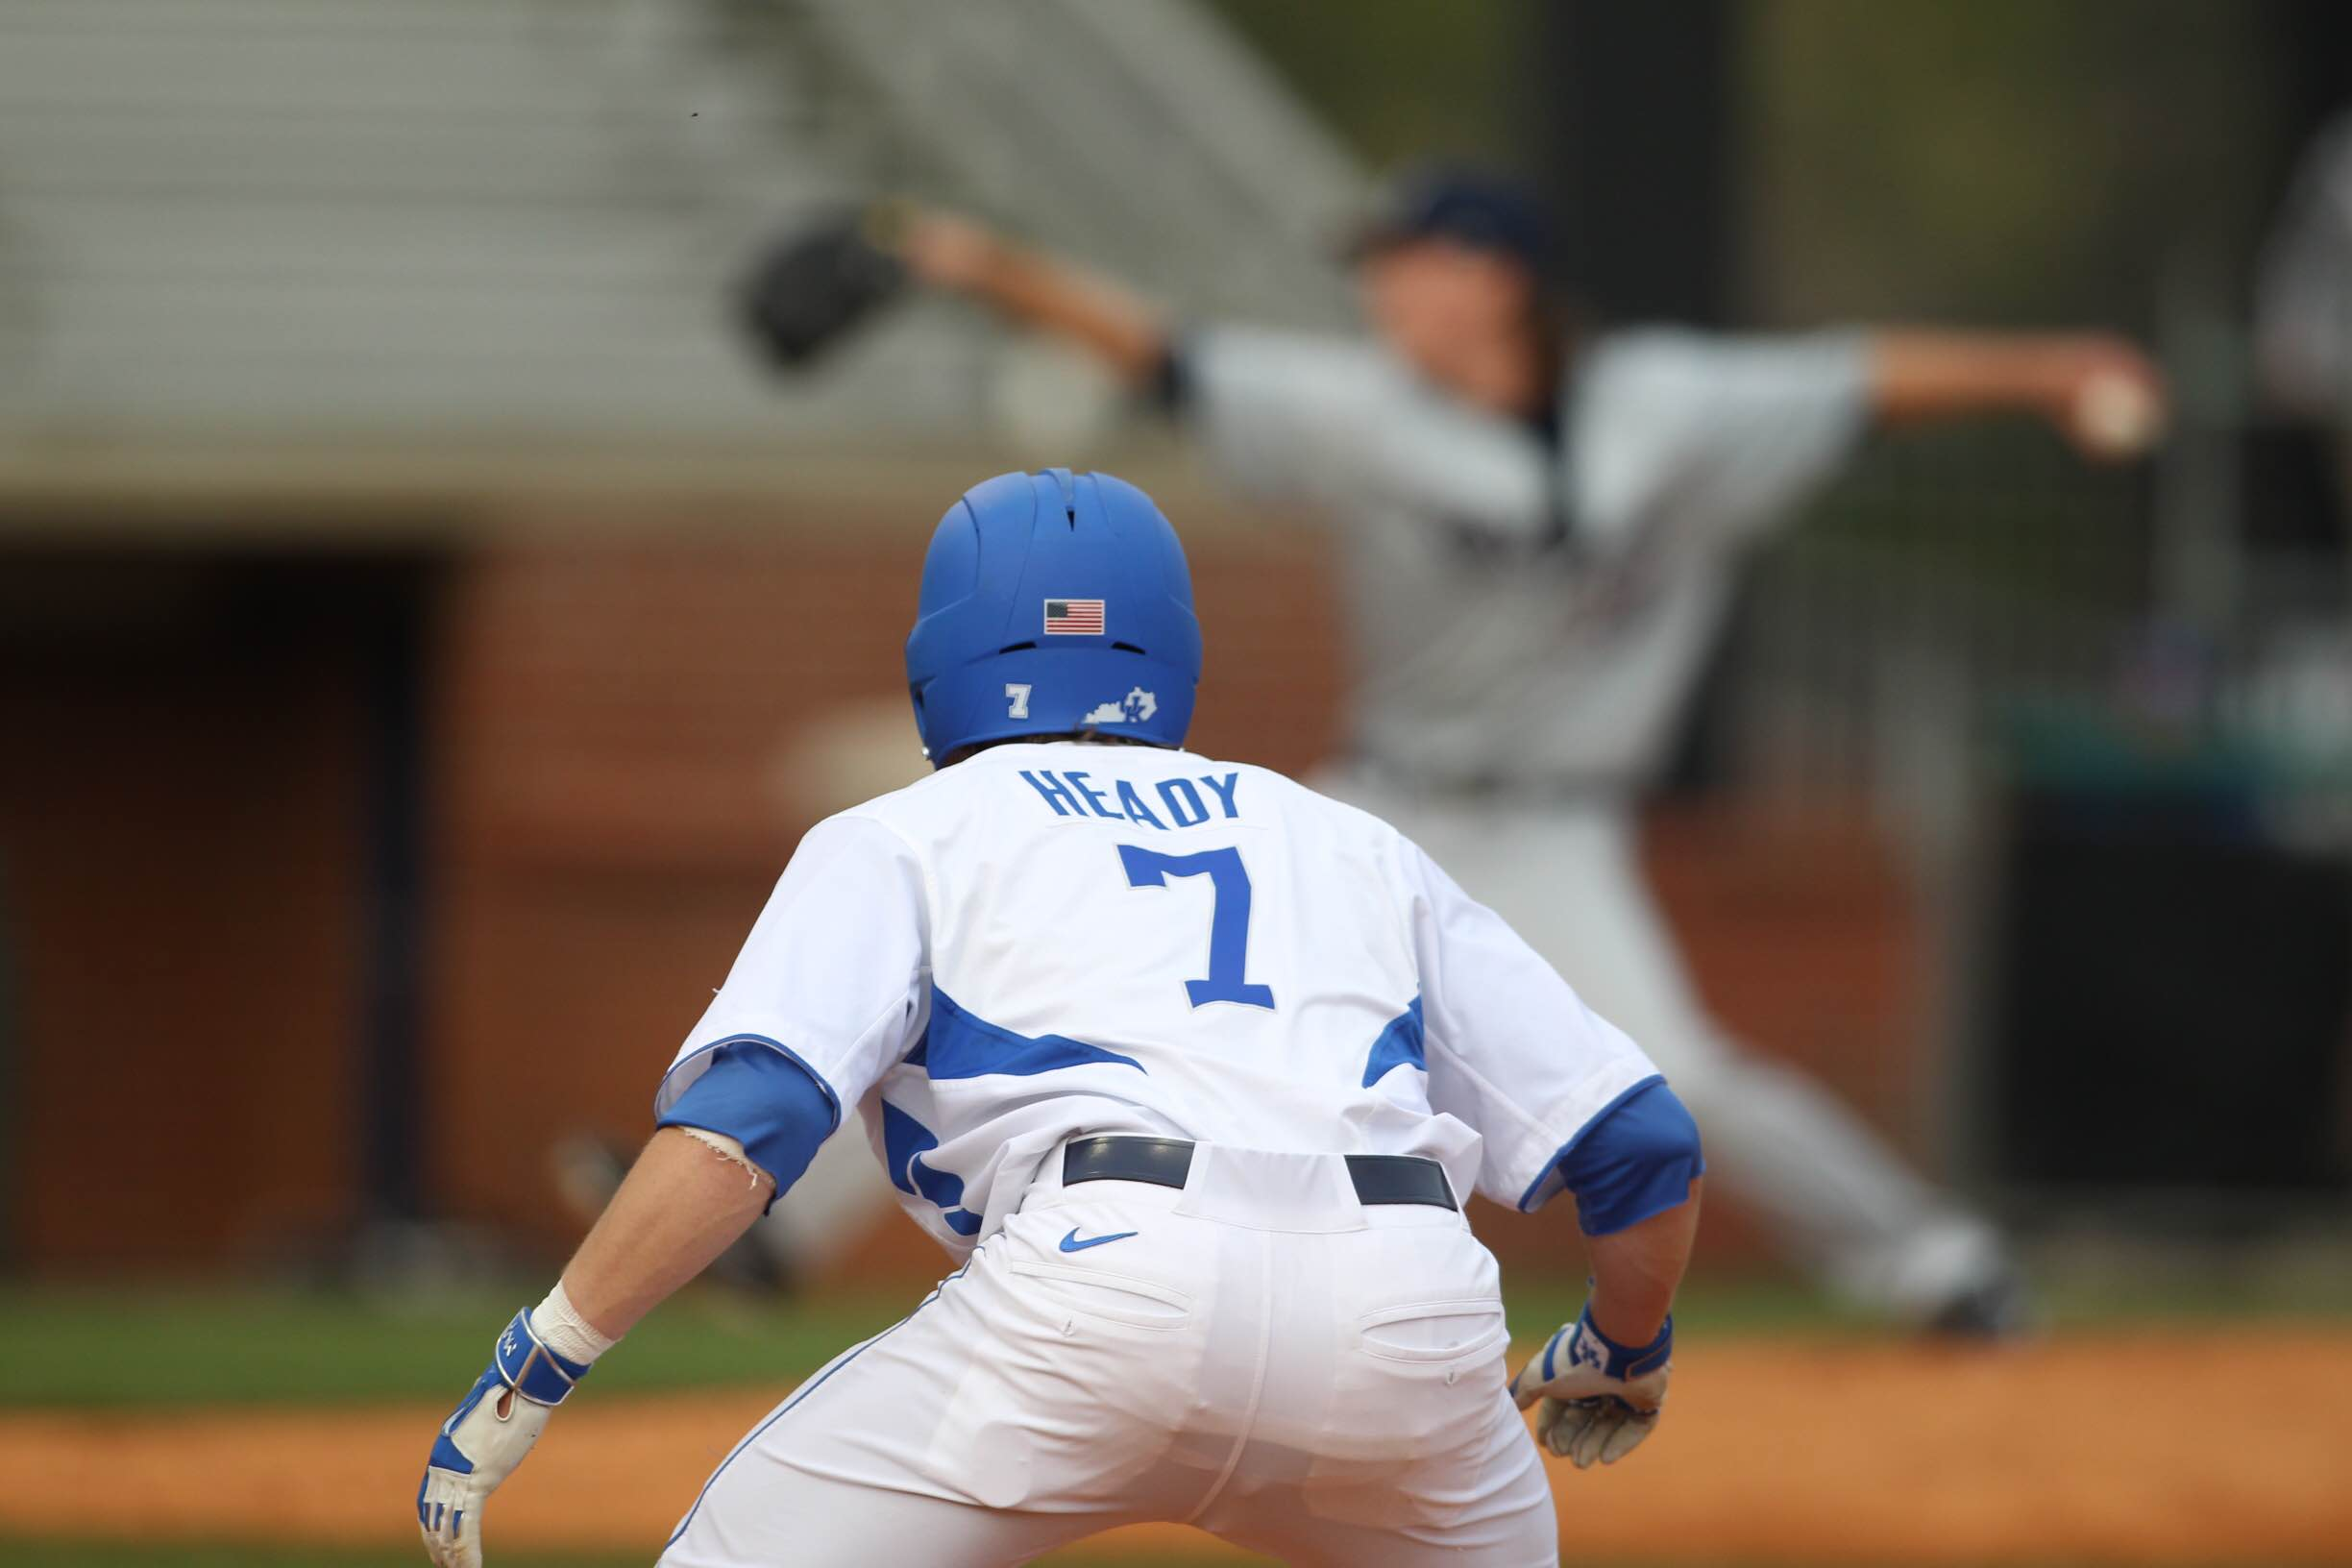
point(1228, 921)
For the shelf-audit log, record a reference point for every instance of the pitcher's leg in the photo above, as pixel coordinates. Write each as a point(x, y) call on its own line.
point(1838, 1198)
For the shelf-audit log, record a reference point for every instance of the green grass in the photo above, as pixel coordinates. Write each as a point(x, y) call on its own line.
point(2072, 1296)
point(87, 1348)
point(84, 1347)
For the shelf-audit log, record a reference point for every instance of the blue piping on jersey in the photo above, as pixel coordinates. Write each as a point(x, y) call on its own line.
point(832, 1100)
point(1537, 1193)
point(904, 1142)
point(811, 1386)
point(961, 1046)
point(1399, 1045)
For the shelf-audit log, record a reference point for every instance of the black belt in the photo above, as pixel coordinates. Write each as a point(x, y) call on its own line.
point(1165, 1162)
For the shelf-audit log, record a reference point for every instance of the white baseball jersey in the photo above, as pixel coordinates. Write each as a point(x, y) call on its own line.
point(1525, 611)
point(1053, 939)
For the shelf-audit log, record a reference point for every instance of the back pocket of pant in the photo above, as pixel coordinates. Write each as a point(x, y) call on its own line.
point(1432, 1331)
point(1120, 1298)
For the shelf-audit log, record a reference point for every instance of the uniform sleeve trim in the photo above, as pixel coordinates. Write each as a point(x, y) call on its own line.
point(1537, 1195)
point(698, 1061)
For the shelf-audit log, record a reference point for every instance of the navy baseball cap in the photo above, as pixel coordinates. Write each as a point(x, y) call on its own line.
point(1469, 207)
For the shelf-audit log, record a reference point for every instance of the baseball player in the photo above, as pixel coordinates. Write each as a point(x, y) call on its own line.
point(1541, 536)
point(1191, 1069)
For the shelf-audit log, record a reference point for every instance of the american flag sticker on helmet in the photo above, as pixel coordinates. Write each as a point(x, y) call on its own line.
point(1074, 616)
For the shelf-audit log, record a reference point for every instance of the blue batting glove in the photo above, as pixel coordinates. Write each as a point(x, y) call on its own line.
point(485, 1437)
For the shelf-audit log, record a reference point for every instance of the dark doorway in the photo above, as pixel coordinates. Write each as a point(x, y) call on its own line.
point(211, 815)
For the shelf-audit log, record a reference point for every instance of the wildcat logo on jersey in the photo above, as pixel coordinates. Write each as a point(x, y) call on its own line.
point(1134, 708)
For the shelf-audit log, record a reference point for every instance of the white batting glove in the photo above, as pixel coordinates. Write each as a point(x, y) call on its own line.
point(1599, 1398)
point(485, 1437)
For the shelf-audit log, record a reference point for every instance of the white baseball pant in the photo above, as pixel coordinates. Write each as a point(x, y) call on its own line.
point(1258, 1355)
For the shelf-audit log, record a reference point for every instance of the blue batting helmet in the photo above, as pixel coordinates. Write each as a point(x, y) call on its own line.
point(1053, 603)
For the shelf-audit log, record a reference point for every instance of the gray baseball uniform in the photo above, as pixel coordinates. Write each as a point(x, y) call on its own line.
point(1528, 616)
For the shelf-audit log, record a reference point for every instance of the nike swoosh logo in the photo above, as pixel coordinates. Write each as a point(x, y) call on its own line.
point(1071, 1243)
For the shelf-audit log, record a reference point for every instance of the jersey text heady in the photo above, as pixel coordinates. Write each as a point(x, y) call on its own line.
point(1178, 803)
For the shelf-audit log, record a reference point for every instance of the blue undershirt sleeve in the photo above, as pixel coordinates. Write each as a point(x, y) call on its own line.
point(1637, 1159)
point(764, 1100)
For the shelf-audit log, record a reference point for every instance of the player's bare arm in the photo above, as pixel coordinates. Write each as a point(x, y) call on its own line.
point(1034, 291)
point(1637, 1270)
point(743, 1127)
point(684, 1203)
point(2099, 390)
point(690, 1195)
point(1601, 1382)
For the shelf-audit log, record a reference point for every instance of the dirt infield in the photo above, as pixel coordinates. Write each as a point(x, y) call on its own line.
point(2162, 1447)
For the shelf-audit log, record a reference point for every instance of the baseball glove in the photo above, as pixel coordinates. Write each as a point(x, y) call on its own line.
point(816, 283)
